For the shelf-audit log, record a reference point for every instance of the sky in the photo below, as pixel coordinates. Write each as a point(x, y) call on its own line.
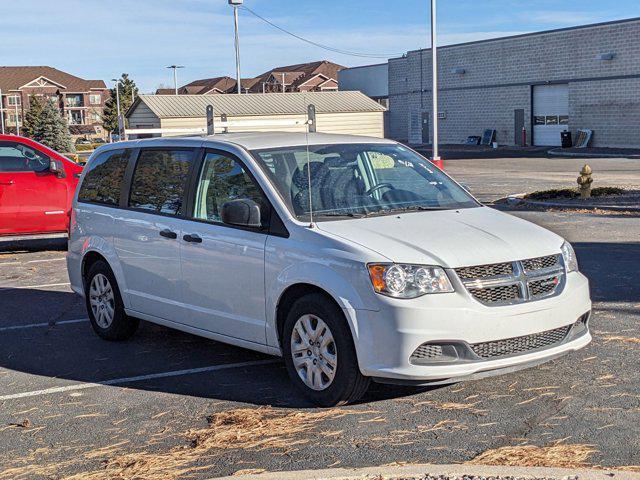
point(101, 39)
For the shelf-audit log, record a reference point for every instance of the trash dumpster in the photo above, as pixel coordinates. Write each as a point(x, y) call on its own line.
point(566, 139)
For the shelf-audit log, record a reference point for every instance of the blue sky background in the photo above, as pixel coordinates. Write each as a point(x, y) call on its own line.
point(101, 39)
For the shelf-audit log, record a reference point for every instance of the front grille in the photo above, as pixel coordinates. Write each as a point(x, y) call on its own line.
point(505, 293)
point(516, 345)
point(539, 263)
point(485, 271)
point(544, 287)
point(426, 351)
point(514, 282)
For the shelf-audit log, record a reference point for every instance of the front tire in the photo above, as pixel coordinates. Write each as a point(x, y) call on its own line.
point(104, 304)
point(319, 353)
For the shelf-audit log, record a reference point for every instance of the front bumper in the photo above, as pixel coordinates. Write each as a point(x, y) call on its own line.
point(386, 339)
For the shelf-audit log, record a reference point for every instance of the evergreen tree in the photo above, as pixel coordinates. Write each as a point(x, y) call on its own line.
point(32, 117)
point(127, 89)
point(53, 131)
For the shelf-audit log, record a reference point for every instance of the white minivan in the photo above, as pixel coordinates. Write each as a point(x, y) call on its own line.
point(354, 258)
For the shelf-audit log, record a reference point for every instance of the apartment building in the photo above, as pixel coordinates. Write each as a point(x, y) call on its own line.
point(80, 101)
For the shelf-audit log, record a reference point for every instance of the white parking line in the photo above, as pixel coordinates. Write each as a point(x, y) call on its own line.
point(43, 324)
point(34, 287)
point(139, 378)
point(45, 260)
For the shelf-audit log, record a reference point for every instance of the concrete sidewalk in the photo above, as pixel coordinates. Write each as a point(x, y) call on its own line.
point(442, 472)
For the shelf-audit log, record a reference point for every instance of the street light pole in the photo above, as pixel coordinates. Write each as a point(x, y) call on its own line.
point(434, 91)
point(235, 4)
point(175, 76)
point(117, 83)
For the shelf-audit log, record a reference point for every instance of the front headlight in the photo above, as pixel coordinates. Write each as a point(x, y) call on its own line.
point(569, 257)
point(408, 281)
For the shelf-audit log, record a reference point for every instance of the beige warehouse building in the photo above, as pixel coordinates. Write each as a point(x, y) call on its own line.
point(336, 112)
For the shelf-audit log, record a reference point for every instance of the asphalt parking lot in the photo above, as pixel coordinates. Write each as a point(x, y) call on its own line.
point(166, 404)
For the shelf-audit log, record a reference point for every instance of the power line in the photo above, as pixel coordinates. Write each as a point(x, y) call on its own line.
point(320, 45)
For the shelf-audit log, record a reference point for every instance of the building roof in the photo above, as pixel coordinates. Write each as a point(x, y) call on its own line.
point(189, 106)
point(295, 75)
point(206, 85)
point(13, 78)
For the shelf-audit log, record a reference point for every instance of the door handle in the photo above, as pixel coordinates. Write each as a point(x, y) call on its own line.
point(193, 238)
point(168, 234)
point(8, 182)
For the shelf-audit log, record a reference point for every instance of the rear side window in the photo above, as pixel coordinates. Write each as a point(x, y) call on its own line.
point(17, 157)
point(103, 182)
point(160, 181)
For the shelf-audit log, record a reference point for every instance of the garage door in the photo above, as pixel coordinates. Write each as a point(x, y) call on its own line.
point(550, 113)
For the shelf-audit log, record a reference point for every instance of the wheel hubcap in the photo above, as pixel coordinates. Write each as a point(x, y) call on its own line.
point(102, 301)
point(313, 350)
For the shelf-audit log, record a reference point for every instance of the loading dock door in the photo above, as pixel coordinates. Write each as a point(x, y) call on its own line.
point(550, 114)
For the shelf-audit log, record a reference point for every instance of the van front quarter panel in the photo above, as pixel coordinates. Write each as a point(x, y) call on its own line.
point(313, 258)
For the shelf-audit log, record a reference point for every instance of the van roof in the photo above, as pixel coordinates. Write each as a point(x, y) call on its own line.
point(260, 140)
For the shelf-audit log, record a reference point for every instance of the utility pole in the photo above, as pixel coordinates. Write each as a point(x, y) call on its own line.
point(235, 4)
point(1, 113)
point(175, 76)
point(283, 87)
point(434, 91)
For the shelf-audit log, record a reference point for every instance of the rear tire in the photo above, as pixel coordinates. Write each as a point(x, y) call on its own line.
point(320, 357)
point(104, 304)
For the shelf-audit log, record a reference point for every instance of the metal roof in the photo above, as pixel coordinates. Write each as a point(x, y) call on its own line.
point(190, 106)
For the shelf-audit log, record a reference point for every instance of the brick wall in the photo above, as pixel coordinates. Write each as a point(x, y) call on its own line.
point(498, 78)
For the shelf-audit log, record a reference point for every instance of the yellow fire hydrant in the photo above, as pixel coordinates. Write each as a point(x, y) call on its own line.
point(585, 181)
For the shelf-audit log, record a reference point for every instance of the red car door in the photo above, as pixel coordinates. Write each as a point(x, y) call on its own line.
point(32, 198)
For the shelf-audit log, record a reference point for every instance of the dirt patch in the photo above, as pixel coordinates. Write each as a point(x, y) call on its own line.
point(568, 193)
point(554, 456)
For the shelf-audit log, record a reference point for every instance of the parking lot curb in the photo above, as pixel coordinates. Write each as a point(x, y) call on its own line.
point(441, 472)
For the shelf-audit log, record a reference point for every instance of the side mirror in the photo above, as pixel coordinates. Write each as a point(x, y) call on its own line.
point(242, 212)
point(57, 168)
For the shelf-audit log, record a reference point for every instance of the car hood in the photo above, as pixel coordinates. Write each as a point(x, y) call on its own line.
point(450, 238)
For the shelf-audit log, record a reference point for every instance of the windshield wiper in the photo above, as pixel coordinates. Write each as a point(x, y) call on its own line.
point(341, 214)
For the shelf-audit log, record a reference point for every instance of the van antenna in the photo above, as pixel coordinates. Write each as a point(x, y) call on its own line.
point(311, 127)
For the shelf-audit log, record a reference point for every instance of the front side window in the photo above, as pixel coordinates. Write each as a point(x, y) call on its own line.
point(223, 179)
point(17, 157)
point(359, 180)
point(160, 181)
point(103, 181)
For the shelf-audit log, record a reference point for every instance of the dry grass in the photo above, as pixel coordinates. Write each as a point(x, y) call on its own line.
point(620, 338)
point(249, 471)
point(558, 456)
point(243, 428)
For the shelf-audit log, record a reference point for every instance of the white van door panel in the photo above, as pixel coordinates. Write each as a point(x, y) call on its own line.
point(223, 281)
point(151, 263)
point(223, 270)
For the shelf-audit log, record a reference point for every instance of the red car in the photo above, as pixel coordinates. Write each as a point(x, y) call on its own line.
point(36, 187)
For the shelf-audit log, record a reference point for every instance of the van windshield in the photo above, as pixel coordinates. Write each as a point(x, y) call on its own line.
point(356, 180)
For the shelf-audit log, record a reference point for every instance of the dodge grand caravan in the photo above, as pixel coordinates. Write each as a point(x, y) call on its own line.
point(354, 258)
